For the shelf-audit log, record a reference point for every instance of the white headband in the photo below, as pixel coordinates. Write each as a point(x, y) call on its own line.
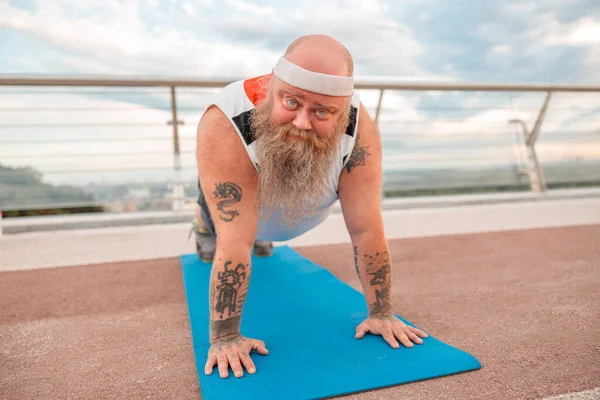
point(332, 85)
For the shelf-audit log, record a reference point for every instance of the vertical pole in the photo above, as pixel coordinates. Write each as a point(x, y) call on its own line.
point(376, 120)
point(378, 110)
point(531, 140)
point(177, 179)
point(532, 167)
point(535, 173)
point(536, 176)
point(538, 123)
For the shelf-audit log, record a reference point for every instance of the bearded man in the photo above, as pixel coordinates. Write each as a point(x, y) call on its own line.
point(274, 154)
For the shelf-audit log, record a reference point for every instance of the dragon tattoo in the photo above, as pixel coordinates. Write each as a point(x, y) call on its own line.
point(228, 193)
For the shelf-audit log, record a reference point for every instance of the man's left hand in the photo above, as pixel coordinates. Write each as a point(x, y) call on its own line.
point(390, 328)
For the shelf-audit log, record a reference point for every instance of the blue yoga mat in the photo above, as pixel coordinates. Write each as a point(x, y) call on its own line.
point(307, 319)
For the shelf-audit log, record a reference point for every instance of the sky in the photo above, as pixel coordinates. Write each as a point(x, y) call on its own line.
point(547, 41)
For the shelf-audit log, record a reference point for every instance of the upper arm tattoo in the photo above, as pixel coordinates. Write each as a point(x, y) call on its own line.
point(358, 156)
point(227, 194)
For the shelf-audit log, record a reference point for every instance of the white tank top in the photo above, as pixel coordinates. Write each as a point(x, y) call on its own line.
point(236, 101)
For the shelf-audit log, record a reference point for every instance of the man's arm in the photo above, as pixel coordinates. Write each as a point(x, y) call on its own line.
point(360, 193)
point(228, 180)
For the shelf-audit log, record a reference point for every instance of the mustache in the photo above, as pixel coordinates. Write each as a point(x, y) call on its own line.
point(284, 131)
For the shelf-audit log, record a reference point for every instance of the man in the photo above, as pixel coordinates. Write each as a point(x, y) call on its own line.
point(274, 154)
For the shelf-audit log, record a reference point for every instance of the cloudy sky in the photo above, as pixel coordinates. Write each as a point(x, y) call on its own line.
point(510, 40)
point(548, 41)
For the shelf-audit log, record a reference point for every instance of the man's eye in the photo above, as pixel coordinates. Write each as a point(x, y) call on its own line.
point(292, 103)
point(321, 112)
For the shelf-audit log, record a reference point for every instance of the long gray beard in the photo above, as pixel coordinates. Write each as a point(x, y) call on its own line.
point(293, 174)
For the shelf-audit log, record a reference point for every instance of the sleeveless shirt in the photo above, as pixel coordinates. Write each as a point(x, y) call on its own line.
point(236, 101)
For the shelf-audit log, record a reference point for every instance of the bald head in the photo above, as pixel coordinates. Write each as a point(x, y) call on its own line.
point(321, 53)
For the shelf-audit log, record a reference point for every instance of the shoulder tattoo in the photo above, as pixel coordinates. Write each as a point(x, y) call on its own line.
point(359, 155)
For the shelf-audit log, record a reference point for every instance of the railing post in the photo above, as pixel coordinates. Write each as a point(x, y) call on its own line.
point(376, 119)
point(536, 175)
point(178, 191)
point(378, 110)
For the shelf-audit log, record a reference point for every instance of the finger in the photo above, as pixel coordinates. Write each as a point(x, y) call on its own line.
point(401, 336)
point(419, 332)
point(361, 330)
point(247, 363)
point(259, 346)
point(236, 366)
point(414, 338)
point(210, 364)
point(223, 366)
point(389, 337)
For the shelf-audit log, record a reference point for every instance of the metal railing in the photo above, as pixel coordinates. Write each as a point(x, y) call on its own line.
point(138, 109)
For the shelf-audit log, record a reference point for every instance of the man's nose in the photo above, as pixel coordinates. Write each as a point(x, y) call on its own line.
point(301, 121)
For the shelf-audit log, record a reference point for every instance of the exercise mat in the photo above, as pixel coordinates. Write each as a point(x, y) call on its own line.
point(307, 319)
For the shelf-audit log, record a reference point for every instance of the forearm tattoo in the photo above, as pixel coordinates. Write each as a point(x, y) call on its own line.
point(227, 193)
point(228, 293)
point(359, 155)
point(378, 271)
point(356, 260)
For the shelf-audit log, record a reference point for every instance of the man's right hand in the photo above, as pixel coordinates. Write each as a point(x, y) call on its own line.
point(233, 352)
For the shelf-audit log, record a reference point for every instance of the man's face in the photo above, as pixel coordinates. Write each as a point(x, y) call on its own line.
point(308, 112)
point(298, 137)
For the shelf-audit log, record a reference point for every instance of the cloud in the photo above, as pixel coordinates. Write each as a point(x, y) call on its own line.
point(236, 38)
point(501, 49)
point(550, 41)
point(591, 61)
point(378, 43)
point(582, 32)
point(249, 8)
point(543, 41)
point(490, 114)
point(501, 41)
point(133, 37)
